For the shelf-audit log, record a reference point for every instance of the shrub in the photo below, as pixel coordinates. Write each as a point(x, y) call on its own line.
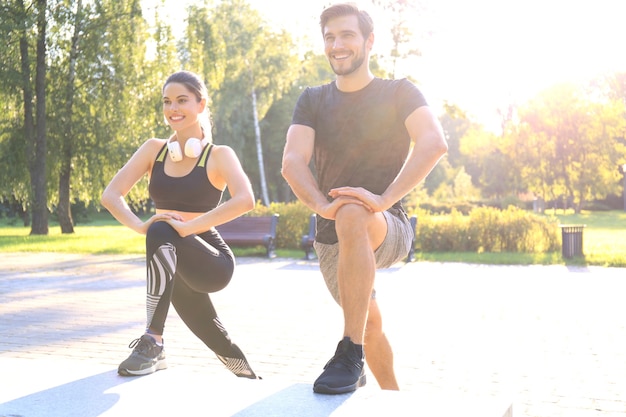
point(487, 229)
point(292, 224)
point(446, 208)
point(484, 229)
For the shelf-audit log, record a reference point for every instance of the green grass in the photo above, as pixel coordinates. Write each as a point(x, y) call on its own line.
point(102, 235)
point(604, 237)
point(604, 242)
point(94, 239)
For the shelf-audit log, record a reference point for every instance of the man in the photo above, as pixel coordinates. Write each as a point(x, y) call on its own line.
point(359, 129)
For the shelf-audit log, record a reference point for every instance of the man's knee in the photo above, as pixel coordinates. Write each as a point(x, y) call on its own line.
point(354, 221)
point(350, 213)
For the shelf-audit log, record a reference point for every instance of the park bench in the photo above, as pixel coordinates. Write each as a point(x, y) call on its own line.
point(411, 256)
point(307, 239)
point(249, 231)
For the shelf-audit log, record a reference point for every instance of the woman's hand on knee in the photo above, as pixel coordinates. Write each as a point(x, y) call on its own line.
point(159, 217)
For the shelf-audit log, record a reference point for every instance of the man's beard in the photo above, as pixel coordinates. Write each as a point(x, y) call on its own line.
point(356, 64)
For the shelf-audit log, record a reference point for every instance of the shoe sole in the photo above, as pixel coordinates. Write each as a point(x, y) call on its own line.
point(156, 367)
point(325, 389)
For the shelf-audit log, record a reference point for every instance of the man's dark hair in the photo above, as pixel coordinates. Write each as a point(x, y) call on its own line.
point(366, 24)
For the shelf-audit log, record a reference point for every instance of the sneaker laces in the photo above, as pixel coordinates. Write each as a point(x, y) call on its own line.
point(343, 359)
point(143, 345)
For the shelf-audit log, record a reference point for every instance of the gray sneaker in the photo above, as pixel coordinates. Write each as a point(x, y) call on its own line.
point(147, 357)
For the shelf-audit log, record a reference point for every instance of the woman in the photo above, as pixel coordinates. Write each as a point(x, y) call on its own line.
point(186, 259)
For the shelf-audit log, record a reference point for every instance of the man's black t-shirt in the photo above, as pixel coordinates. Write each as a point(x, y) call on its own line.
point(360, 137)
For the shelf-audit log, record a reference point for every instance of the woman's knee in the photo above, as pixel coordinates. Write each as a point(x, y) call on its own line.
point(160, 228)
point(159, 233)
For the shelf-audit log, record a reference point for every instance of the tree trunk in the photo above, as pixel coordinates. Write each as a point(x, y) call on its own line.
point(64, 211)
point(259, 150)
point(29, 121)
point(38, 168)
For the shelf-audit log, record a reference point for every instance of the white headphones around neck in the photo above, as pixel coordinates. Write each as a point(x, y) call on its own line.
point(193, 148)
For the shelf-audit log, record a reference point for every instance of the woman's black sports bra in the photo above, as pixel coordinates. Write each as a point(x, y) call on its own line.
point(192, 193)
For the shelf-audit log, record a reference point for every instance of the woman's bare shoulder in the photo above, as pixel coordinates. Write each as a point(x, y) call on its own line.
point(151, 146)
point(155, 142)
point(223, 151)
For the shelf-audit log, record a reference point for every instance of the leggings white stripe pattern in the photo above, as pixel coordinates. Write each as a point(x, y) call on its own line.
point(151, 304)
point(239, 367)
point(161, 270)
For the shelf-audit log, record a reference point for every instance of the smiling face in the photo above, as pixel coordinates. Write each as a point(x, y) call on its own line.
point(181, 107)
point(346, 49)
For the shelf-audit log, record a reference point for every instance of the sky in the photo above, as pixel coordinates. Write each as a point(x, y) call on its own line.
point(483, 54)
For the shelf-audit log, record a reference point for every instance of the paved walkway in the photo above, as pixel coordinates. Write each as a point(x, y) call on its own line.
point(553, 339)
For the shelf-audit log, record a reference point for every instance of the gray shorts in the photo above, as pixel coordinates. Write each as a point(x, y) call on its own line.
point(394, 248)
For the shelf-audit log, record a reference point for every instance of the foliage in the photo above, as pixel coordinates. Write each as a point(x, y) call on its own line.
point(241, 59)
point(313, 70)
point(92, 120)
point(487, 229)
point(14, 185)
point(292, 224)
point(463, 188)
point(401, 16)
point(565, 144)
point(455, 123)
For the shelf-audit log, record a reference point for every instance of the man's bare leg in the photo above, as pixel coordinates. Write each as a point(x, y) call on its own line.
point(378, 353)
point(359, 232)
point(356, 266)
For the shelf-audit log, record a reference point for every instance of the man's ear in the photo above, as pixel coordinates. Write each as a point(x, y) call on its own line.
point(370, 41)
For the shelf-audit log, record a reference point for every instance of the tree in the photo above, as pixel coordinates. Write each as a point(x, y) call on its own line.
point(313, 70)
point(399, 13)
point(64, 212)
point(483, 159)
point(259, 146)
point(100, 123)
point(16, 129)
point(567, 144)
point(31, 23)
point(248, 66)
point(38, 161)
point(463, 188)
point(80, 122)
point(455, 123)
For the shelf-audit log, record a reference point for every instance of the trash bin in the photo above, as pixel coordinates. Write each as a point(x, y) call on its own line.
point(572, 237)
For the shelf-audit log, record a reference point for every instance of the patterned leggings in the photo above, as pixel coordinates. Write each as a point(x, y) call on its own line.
point(184, 271)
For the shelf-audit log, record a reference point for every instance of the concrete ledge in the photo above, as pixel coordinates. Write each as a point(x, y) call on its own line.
point(34, 388)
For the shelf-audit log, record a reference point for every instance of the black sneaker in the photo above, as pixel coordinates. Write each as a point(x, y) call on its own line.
point(238, 366)
point(147, 357)
point(344, 372)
